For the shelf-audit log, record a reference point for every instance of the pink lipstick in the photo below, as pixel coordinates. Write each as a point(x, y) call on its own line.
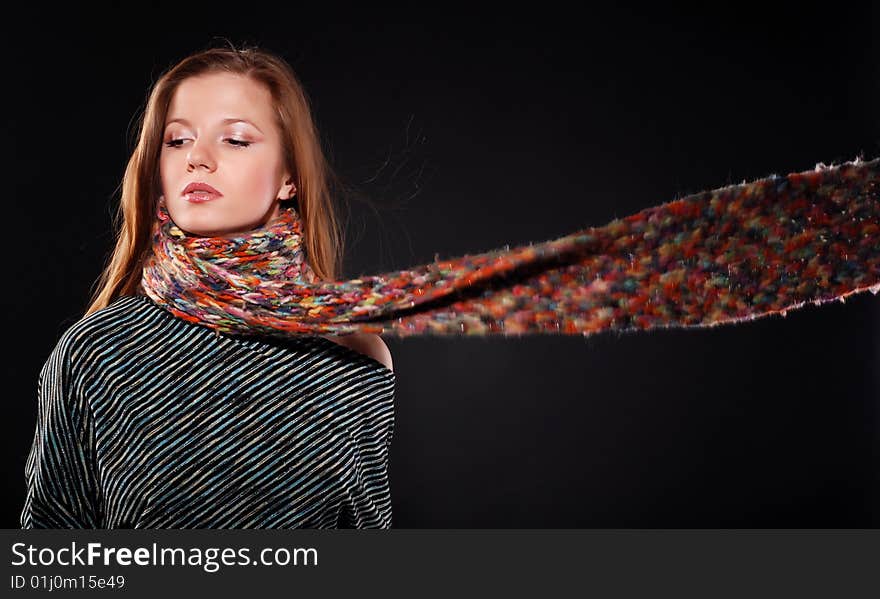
point(198, 191)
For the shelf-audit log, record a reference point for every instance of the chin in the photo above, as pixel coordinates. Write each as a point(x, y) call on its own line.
point(200, 220)
point(212, 219)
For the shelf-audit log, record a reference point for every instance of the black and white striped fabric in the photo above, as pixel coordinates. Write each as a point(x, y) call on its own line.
point(148, 421)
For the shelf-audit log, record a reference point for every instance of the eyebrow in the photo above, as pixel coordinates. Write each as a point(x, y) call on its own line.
point(224, 121)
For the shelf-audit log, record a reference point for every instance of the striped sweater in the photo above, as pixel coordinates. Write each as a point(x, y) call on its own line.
point(145, 420)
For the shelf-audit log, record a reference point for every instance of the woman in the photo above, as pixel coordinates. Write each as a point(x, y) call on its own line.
point(201, 388)
point(150, 421)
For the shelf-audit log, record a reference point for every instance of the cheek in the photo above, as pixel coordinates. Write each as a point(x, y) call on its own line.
point(258, 178)
point(165, 172)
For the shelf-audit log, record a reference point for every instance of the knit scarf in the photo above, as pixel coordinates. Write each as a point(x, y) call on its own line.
point(714, 257)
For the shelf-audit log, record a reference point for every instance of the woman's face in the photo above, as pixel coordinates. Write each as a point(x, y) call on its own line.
point(220, 130)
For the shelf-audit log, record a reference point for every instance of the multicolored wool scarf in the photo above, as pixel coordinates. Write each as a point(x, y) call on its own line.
point(739, 252)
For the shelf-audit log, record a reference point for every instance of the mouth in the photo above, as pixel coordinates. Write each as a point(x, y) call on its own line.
point(197, 197)
point(197, 192)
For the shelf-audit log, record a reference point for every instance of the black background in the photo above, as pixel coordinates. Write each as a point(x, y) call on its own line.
point(464, 130)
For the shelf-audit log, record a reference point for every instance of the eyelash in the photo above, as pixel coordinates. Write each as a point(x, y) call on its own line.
point(236, 142)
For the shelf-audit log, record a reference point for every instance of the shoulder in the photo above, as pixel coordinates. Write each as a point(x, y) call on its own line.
point(375, 347)
point(368, 344)
point(85, 348)
point(90, 337)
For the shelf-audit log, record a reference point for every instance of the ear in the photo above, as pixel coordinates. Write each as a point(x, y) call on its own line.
point(288, 188)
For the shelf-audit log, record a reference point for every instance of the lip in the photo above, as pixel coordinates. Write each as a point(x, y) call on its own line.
point(198, 191)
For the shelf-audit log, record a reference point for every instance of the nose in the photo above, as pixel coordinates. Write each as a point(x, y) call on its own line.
point(199, 157)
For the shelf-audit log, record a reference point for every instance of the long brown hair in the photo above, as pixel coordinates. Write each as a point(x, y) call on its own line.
point(302, 151)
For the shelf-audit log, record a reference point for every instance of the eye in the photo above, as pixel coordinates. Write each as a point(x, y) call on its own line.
point(176, 143)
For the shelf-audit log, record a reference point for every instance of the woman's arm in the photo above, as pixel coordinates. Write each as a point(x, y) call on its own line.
point(61, 471)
